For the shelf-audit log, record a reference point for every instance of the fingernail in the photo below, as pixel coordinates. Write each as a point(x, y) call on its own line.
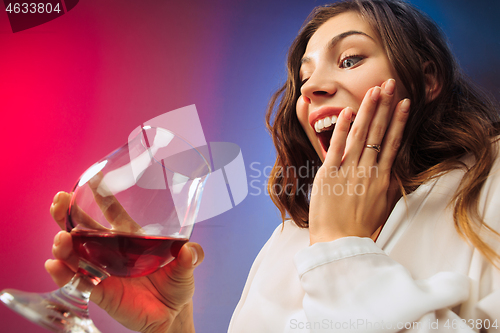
point(194, 255)
point(56, 198)
point(57, 239)
point(348, 113)
point(405, 106)
point(375, 93)
point(389, 87)
point(94, 182)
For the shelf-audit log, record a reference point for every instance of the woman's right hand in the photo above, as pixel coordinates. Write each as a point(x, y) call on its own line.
point(159, 302)
point(368, 188)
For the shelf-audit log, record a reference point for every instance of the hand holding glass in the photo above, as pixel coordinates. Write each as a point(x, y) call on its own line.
point(129, 215)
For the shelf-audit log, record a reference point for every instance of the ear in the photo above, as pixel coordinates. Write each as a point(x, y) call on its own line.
point(432, 83)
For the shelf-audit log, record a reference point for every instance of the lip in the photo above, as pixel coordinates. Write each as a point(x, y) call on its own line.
point(322, 112)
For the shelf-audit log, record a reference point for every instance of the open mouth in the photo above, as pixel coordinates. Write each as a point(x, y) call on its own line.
point(325, 136)
point(323, 122)
point(324, 129)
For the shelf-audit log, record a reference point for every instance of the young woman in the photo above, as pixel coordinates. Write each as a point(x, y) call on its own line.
point(398, 229)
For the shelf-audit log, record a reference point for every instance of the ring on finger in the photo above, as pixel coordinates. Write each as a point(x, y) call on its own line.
point(374, 147)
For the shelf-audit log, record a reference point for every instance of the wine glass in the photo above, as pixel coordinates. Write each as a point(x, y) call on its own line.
point(129, 215)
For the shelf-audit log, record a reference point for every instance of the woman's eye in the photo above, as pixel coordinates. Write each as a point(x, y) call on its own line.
point(350, 61)
point(303, 81)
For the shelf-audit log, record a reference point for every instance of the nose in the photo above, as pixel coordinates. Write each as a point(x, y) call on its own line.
point(319, 86)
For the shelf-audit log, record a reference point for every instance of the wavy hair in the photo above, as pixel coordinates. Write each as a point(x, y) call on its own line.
point(461, 120)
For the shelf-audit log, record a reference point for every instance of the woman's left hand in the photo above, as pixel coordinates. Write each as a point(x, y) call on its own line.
point(352, 194)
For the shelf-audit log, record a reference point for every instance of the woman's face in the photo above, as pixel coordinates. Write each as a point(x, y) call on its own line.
point(343, 60)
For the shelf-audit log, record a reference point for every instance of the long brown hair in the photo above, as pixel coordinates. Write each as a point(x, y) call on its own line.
point(461, 120)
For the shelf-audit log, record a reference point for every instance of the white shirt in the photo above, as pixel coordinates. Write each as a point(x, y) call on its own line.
point(419, 274)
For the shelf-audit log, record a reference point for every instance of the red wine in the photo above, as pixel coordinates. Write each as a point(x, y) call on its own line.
point(126, 255)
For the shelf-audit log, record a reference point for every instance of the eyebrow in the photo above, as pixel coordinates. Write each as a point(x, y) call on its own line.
point(335, 40)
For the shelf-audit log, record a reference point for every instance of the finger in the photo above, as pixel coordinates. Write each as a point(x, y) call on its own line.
point(380, 122)
point(59, 271)
point(338, 141)
point(180, 271)
point(177, 278)
point(114, 212)
point(392, 140)
point(63, 250)
point(190, 256)
point(359, 131)
point(59, 208)
point(82, 219)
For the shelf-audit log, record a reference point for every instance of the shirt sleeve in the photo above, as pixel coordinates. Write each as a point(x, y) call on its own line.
point(351, 285)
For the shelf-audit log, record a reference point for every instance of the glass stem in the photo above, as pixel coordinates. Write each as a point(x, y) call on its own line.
point(76, 293)
point(64, 310)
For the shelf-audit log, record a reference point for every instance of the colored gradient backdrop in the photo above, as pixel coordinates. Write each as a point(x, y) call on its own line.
point(71, 90)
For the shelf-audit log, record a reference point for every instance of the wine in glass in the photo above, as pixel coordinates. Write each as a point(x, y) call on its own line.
point(129, 215)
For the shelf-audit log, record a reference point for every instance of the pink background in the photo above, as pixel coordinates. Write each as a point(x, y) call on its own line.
point(71, 90)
